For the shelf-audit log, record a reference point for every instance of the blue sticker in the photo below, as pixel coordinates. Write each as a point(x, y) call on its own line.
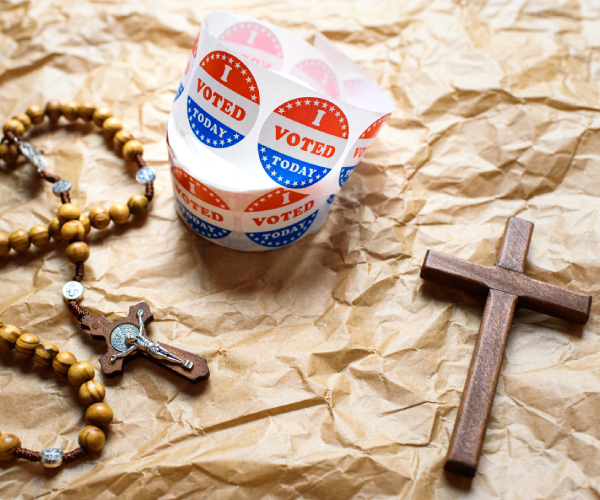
point(289, 172)
point(330, 199)
point(283, 236)
point(344, 174)
point(179, 91)
point(200, 226)
point(209, 130)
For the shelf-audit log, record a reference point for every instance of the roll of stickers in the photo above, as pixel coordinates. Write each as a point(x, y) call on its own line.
point(265, 129)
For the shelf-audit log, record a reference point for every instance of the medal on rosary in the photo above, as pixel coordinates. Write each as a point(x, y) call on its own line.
point(126, 338)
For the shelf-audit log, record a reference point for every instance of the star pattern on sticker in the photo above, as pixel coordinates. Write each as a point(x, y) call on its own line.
point(252, 86)
point(323, 104)
point(266, 240)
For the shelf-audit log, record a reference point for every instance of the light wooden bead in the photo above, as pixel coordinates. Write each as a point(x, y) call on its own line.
point(70, 110)
point(8, 445)
point(121, 138)
point(53, 109)
point(91, 438)
point(138, 204)
point(45, 353)
point(4, 244)
point(81, 372)
point(85, 221)
point(68, 211)
point(78, 252)
point(62, 362)
point(111, 126)
point(132, 149)
point(86, 110)
point(1, 325)
point(119, 213)
point(99, 414)
point(39, 235)
point(54, 228)
point(36, 113)
point(14, 126)
point(19, 240)
point(92, 392)
point(100, 218)
point(24, 119)
point(9, 334)
point(101, 114)
point(72, 230)
point(8, 153)
point(26, 345)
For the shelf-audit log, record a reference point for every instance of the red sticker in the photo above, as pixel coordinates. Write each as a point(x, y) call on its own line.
point(255, 42)
point(319, 76)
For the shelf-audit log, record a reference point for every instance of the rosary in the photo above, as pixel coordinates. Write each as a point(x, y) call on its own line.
point(125, 338)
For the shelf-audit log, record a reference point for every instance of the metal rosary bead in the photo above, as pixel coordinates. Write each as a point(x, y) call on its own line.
point(52, 457)
point(61, 186)
point(32, 155)
point(145, 175)
point(73, 290)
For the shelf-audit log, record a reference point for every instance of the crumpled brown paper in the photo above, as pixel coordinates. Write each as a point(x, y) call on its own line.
point(335, 370)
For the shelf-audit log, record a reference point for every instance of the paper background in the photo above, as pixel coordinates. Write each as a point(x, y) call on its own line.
point(335, 370)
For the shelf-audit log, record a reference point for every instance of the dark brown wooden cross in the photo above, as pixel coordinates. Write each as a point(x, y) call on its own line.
point(126, 339)
point(506, 287)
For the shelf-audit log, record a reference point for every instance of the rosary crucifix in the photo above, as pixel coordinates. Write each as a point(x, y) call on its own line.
point(506, 287)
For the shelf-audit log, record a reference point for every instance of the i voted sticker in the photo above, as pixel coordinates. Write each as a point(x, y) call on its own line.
point(203, 210)
point(255, 42)
point(188, 72)
point(301, 141)
point(319, 76)
point(223, 100)
point(279, 218)
point(360, 148)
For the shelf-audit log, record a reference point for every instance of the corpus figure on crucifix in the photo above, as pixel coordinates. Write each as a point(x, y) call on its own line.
point(138, 341)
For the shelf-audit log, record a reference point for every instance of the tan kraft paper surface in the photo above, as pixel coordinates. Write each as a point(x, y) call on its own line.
point(335, 370)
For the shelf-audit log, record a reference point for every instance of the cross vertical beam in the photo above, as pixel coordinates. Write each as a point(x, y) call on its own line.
point(506, 287)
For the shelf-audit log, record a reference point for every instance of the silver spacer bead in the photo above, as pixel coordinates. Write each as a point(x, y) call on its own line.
point(73, 290)
point(33, 156)
point(61, 186)
point(52, 457)
point(145, 175)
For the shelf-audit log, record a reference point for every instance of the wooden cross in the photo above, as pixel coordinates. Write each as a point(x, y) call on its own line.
point(126, 339)
point(505, 286)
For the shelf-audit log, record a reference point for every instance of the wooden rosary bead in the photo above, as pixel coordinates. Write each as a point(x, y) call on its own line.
point(119, 213)
point(91, 438)
point(72, 230)
point(4, 244)
point(26, 345)
point(111, 126)
point(70, 110)
point(8, 153)
point(138, 204)
point(81, 372)
point(101, 114)
point(24, 119)
point(39, 235)
point(45, 353)
point(8, 445)
point(121, 138)
point(14, 126)
point(99, 414)
point(86, 111)
point(68, 211)
point(132, 149)
point(91, 392)
point(62, 362)
point(19, 240)
point(53, 109)
point(78, 252)
point(9, 334)
point(85, 221)
point(1, 325)
point(36, 113)
point(54, 227)
point(100, 218)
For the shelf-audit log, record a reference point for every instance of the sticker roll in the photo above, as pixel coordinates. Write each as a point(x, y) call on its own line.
point(264, 130)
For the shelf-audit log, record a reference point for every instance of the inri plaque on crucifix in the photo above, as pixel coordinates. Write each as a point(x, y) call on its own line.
point(506, 288)
point(127, 339)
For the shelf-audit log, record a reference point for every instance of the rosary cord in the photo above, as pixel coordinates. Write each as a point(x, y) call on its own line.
point(139, 159)
point(74, 455)
point(32, 456)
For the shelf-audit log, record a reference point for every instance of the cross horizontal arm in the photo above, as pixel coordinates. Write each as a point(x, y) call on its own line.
point(532, 294)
